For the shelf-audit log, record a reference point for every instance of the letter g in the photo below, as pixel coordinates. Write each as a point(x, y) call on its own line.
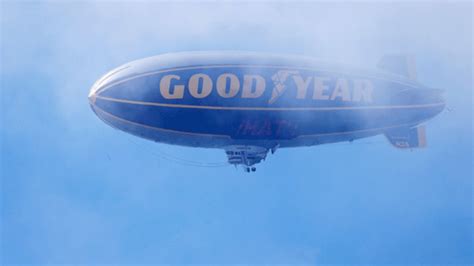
point(165, 84)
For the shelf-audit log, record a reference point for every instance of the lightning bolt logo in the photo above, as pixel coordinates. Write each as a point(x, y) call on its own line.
point(279, 80)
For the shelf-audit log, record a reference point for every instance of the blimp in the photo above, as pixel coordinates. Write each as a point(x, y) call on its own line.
point(251, 104)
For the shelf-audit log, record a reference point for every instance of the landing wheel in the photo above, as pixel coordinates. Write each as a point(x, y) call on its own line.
point(247, 170)
point(254, 169)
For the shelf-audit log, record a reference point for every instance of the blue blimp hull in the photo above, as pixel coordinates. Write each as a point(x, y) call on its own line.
point(229, 99)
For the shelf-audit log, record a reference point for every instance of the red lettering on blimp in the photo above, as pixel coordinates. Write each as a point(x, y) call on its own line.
point(229, 85)
point(267, 128)
point(255, 128)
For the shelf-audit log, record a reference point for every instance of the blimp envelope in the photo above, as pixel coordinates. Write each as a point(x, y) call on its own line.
point(252, 103)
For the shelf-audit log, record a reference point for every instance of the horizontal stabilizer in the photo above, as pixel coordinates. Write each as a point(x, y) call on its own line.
point(403, 65)
point(407, 138)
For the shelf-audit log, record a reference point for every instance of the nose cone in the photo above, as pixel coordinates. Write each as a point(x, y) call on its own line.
point(107, 79)
point(94, 90)
point(92, 99)
point(92, 96)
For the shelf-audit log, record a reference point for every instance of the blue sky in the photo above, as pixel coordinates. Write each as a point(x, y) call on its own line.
point(74, 190)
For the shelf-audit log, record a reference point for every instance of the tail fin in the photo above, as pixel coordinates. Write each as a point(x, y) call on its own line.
point(403, 65)
point(407, 138)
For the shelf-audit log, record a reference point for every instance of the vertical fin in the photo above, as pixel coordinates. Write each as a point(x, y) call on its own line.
point(421, 132)
point(404, 65)
point(405, 138)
